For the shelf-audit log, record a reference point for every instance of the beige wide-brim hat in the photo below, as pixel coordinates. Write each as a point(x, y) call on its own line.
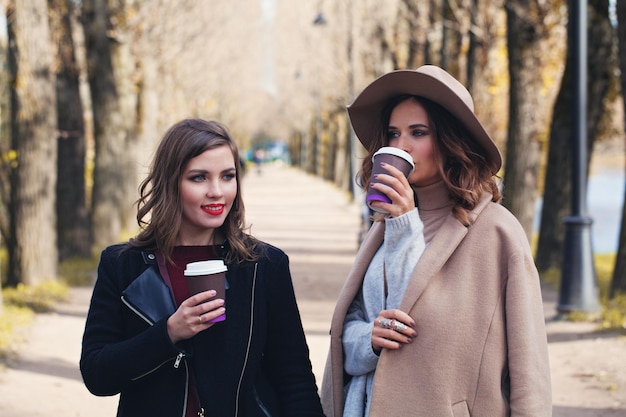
point(427, 81)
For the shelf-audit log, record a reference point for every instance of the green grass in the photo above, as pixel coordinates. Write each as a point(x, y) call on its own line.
point(613, 310)
point(38, 298)
point(12, 321)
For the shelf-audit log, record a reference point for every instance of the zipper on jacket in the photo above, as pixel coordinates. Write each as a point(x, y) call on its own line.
point(177, 361)
point(179, 358)
point(245, 361)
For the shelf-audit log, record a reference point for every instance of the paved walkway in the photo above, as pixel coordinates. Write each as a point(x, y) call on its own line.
point(317, 226)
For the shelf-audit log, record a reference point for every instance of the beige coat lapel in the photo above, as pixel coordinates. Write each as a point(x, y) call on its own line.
point(437, 253)
point(435, 256)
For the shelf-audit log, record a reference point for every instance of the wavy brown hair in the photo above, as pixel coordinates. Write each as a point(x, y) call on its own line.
point(159, 207)
point(461, 161)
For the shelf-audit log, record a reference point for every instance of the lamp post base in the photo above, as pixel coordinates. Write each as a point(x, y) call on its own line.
point(579, 291)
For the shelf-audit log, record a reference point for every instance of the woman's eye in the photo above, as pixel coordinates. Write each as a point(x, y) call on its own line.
point(391, 135)
point(198, 178)
point(229, 177)
point(420, 132)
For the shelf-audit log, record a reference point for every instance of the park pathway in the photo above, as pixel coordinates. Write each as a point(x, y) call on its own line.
point(317, 226)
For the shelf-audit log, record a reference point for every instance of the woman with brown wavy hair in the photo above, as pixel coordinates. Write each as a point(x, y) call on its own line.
point(441, 314)
point(159, 196)
point(168, 352)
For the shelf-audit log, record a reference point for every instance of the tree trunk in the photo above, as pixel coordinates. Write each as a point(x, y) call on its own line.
point(558, 193)
point(618, 283)
point(484, 70)
point(32, 248)
point(72, 216)
point(5, 142)
point(110, 129)
point(457, 25)
point(526, 35)
point(418, 31)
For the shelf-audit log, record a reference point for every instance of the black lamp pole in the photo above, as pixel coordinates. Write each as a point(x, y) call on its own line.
point(578, 280)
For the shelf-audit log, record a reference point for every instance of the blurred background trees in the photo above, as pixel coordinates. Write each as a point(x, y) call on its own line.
point(89, 86)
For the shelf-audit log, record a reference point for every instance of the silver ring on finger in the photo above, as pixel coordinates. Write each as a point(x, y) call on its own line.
point(399, 327)
point(200, 319)
point(385, 323)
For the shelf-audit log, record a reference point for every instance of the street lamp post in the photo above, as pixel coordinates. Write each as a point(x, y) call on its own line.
point(578, 279)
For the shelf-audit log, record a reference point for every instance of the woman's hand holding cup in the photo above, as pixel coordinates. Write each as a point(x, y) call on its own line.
point(194, 315)
point(390, 191)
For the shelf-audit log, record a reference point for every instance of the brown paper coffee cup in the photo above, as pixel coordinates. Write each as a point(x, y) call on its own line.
point(392, 156)
point(208, 275)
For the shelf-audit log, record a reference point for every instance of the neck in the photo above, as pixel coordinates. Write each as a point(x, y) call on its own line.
point(433, 197)
point(434, 206)
point(214, 239)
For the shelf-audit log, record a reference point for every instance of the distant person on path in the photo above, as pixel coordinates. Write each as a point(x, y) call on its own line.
point(257, 158)
point(441, 314)
point(149, 340)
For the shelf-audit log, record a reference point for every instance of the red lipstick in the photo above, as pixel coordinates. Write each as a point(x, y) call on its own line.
point(213, 209)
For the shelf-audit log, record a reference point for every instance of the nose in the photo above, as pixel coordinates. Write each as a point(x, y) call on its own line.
point(213, 189)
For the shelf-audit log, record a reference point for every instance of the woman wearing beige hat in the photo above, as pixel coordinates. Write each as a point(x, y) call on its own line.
point(441, 314)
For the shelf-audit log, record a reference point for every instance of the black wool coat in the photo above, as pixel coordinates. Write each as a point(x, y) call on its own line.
point(256, 363)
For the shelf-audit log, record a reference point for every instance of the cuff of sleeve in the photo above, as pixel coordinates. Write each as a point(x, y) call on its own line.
point(370, 357)
point(360, 356)
point(408, 221)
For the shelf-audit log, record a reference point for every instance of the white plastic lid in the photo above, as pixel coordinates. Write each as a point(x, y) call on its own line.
point(397, 152)
point(205, 267)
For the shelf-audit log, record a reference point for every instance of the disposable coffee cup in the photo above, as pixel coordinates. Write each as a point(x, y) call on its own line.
point(392, 156)
point(208, 275)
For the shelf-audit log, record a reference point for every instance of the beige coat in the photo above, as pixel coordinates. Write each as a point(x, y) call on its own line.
point(481, 348)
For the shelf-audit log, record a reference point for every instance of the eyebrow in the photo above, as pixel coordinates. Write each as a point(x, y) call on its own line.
point(413, 126)
point(204, 171)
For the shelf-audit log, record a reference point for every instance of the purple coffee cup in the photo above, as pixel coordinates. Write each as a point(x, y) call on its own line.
point(392, 156)
point(208, 275)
